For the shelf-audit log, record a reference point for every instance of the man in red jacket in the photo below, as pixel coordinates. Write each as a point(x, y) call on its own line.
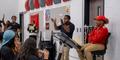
point(96, 38)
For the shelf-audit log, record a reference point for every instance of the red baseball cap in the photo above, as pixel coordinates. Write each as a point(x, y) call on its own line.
point(102, 18)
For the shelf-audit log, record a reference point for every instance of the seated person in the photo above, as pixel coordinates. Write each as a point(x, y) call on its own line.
point(42, 54)
point(96, 38)
point(30, 52)
point(32, 28)
point(10, 46)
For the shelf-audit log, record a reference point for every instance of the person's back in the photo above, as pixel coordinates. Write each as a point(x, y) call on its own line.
point(28, 50)
point(8, 45)
point(7, 53)
point(28, 57)
point(33, 57)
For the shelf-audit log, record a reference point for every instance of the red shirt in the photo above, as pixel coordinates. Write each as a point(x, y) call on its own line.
point(98, 35)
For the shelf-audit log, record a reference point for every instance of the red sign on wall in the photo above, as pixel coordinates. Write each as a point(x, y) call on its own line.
point(35, 18)
point(35, 4)
point(49, 2)
point(27, 7)
point(66, 0)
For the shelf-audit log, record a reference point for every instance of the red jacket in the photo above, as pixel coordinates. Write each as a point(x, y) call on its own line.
point(98, 35)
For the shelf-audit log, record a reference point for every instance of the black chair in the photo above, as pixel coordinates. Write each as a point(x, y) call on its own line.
point(101, 52)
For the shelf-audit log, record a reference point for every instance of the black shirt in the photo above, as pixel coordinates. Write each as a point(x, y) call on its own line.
point(72, 28)
point(14, 26)
point(30, 57)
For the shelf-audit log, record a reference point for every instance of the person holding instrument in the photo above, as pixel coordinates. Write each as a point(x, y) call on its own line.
point(68, 28)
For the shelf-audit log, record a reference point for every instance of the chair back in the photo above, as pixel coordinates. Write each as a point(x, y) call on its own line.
point(106, 42)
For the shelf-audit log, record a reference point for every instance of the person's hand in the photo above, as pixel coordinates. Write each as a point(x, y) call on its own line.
point(53, 20)
point(46, 54)
point(40, 53)
point(66, 28)
point(3, 17)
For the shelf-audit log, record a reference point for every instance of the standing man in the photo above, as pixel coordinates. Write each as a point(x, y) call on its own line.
point(68, 28)
point(14, 24)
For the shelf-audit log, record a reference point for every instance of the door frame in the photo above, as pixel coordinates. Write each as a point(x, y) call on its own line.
point(87, 11)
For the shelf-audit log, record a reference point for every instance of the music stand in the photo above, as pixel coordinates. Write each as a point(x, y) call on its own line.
point(66, 40)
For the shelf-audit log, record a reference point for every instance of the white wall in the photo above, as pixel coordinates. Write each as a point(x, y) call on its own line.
point(77, 17)
point(21, 5)
point(27, 14)
point(112, 9)
point(9, 8)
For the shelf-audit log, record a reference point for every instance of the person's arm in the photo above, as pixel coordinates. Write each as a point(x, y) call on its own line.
point(3, 19)
point(55, 25)
point(46, 54)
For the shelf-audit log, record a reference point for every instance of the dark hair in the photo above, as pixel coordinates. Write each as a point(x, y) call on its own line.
point(13, 16)
point(1, 36)
point(11, 44)
point(0, 25)
point(16, 35)
point(33, 36)
point(68, 16)
point(28, 49)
